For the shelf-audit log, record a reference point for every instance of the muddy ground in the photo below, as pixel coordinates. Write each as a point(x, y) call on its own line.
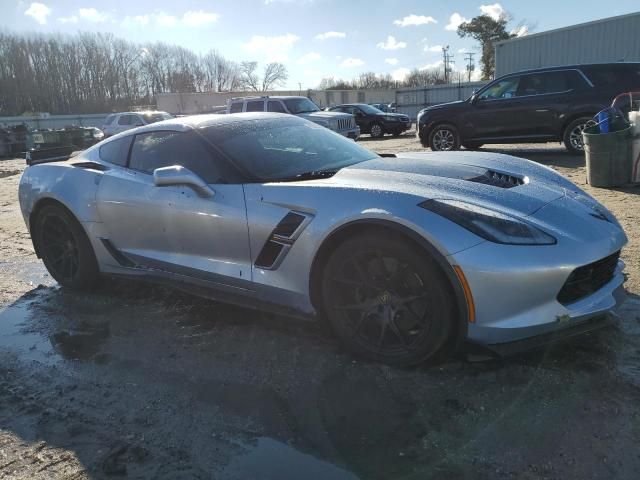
point(147, 382)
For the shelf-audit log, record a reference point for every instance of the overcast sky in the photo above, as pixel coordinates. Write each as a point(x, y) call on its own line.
point(314, 38)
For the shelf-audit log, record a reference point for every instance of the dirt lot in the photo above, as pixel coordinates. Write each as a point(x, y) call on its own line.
point(144, 381)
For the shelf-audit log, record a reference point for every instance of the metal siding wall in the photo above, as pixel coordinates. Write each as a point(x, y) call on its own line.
point(608, 41)
point(411, 101)
point(56, 121)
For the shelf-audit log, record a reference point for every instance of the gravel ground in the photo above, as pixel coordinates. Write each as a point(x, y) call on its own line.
point(147, 382)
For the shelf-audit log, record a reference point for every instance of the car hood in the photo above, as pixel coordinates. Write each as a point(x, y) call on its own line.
point(456, 104)
point(323, 116)
point(501, 182)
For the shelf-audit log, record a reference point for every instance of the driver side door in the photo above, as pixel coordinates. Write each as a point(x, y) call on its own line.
point(171, 228)
point(494, 112)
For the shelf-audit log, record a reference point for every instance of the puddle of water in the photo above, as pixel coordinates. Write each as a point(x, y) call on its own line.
point(273, 460)
point(15, 337)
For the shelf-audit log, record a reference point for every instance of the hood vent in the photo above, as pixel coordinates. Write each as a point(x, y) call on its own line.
point(499, 179)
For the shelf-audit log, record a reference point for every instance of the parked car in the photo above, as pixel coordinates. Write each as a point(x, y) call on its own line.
point(542, 105)
point(302, 107)
point(404, 257)
point(373, 121)
point(120, 122)
point(385, 107)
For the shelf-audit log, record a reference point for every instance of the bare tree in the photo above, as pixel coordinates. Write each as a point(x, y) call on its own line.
point(275, 74)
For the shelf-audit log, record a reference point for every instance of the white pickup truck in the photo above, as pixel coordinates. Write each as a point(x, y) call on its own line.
point(342, 123)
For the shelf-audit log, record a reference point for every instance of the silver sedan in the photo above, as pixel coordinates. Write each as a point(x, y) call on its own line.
point(405, 256)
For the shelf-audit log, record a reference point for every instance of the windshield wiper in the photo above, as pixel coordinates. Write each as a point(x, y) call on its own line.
point(311, 175)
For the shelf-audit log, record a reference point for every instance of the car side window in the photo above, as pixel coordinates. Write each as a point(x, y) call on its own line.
point(116, 151)
point(275, 106)
point(163, 149)
point(125, 120)
point(109, 119)
point(235, 107)
point(543, 83)
point(255, 106)
point(505, 88)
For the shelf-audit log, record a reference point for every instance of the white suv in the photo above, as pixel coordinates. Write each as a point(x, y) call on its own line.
point(119, 122)
point(342, 123)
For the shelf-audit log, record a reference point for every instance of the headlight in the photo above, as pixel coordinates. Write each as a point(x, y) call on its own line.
point(98, 134)
point(486, 223)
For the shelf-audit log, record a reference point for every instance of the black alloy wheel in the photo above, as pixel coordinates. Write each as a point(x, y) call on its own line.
point(387, 300)
point(65, 248)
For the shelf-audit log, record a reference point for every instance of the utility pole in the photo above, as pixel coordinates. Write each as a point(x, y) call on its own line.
point(446, 59)
point(470, 66)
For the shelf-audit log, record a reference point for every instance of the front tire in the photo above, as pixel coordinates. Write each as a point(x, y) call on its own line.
point(376, 130)
point(444, 138)
point(65, 249)
point(387, 300)
point(572, 137)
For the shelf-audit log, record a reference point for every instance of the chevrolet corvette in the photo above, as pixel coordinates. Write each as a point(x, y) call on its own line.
point(404, 255)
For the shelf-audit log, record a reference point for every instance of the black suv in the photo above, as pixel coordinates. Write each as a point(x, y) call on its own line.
point(373, 121)
point(543, 105)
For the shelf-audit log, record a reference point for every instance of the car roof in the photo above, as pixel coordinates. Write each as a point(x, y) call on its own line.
point(266, 97)
point(192, 122)
point(573, 67)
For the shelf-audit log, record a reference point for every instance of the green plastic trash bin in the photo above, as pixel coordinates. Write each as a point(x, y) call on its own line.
point(608, 156)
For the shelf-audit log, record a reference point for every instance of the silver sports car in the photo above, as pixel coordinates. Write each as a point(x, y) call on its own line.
point(404, 255)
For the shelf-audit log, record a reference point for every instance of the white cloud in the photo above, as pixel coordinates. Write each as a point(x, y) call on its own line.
point(326, 35)
point(39, 12)
point(454, 21)
point(391, 44)
point(434, 48)
point(274, 49)
point(309, 58)
point(400, 74)
point(70, 19)
point(198, 18)
point(433, 65)
point(352, 62)
point(391, 61)
point(92, 15)
point(414, 20)
point(138, 20)
point(164, 20)
point(495, 11)
point(521, 31)
point(462, 50)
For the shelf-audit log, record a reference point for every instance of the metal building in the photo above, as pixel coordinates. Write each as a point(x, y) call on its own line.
point(608, 40)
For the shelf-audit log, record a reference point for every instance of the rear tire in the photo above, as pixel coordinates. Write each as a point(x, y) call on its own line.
point(572, 137)
point(444, 138)
point(387, 300)
point(65, 249)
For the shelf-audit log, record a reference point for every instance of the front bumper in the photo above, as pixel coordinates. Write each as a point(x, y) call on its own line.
point(353, 133)
point(517, 300)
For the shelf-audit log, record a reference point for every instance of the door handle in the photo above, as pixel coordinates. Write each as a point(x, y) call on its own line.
point(542, 110)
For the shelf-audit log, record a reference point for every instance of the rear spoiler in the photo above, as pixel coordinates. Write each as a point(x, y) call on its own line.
point(45, 155)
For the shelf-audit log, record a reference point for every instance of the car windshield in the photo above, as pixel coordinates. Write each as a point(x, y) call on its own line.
point(300, 105)
point(285, 149)
point(156, 117)
point(370, 110)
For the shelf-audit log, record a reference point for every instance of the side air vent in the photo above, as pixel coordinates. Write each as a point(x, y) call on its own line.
point(279, 242)
point(498, 179)
point(288, 225)
point(269, 254)
point(89, 166)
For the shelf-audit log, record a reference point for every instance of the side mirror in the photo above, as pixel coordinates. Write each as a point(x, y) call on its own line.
point(179, 175)
point(473, 99)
